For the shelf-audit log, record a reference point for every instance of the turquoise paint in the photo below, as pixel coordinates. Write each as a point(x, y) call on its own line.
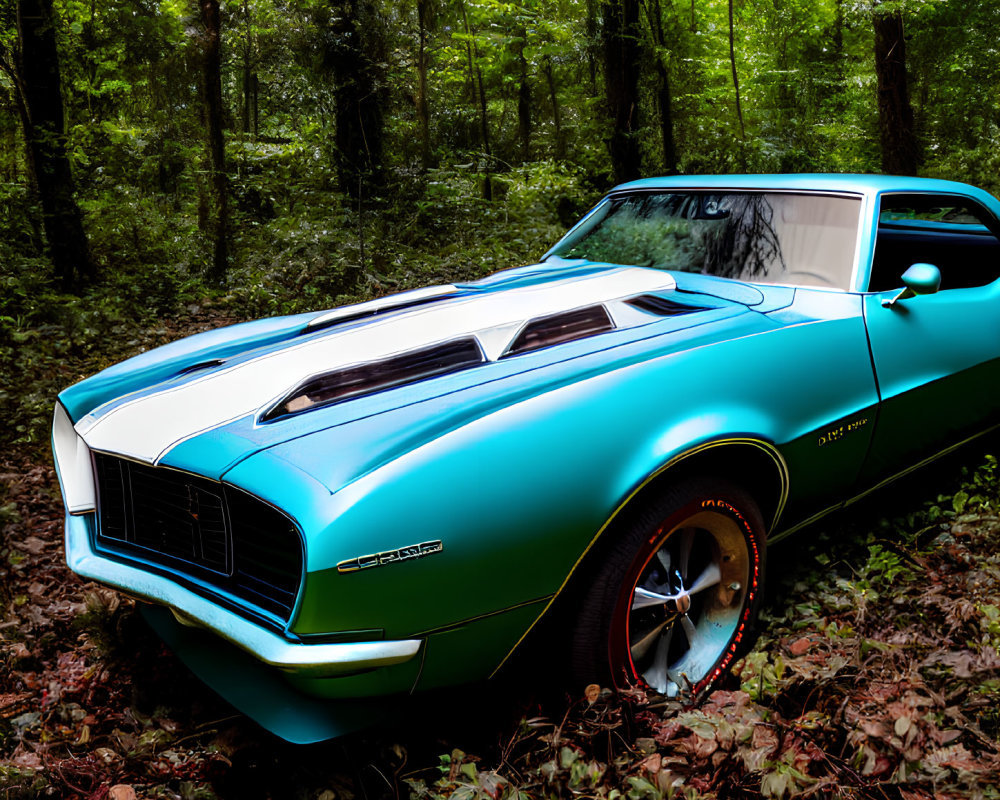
point(262, 693)
point(936, 357)
point(475, 649)
point(510, 492)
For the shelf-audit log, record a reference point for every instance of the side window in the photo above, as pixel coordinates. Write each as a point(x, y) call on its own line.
point(954, 233)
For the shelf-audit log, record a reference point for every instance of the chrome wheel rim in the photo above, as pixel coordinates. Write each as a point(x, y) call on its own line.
point(687, 603)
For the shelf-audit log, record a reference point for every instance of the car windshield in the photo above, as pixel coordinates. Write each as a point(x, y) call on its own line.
point(764, 237)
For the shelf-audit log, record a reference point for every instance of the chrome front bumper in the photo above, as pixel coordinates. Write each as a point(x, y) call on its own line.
point(306, 660)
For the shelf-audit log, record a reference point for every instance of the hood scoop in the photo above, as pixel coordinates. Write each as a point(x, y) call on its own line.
point(365, 379)
point(663, 307)
point(560, 328)
point(449, 329)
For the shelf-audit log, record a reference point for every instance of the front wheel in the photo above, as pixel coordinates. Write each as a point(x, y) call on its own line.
point(674, 599)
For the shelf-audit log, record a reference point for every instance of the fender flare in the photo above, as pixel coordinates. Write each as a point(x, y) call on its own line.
point(674, 462)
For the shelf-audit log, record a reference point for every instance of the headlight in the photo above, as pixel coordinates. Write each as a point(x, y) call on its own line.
point(76, 475)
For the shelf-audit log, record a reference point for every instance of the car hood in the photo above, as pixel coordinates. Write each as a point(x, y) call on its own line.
point(197, 404)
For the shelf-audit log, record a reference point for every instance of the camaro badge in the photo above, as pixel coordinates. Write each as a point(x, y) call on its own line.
point(391, 556)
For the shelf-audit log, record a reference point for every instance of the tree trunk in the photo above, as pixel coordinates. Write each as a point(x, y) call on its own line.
point(592, 45)
point(621, 74)
point(484, 122)
point(41, 110)
point(423, 110)
point(664, 104)
point(212, 88)
point(732, 63)
point(838, 32)
point(484, 130)
point(255, 90)
point(90, 47)
point(895, 114)
point(247, 90)
point(524, 101)
point(247, 69)
point(355, 51)
point(556, 114)
point(471, 72)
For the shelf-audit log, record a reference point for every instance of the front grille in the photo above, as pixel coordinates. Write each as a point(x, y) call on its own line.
point(200, 529)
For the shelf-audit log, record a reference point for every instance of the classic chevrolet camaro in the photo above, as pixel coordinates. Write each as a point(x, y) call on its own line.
point(388, 497)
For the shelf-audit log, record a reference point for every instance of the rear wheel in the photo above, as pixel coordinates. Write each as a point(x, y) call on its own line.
point(674, 599)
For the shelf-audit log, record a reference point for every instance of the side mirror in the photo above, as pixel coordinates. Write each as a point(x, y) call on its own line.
point(918, 279)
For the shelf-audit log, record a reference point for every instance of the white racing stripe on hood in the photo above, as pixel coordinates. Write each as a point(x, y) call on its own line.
point(147, 427)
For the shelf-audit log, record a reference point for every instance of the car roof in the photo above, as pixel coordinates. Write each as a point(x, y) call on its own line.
point(829, 182)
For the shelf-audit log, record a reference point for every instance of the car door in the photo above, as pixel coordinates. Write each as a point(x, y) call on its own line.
point(936, 356)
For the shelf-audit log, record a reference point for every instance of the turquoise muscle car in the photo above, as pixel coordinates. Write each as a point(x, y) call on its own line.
point(329, 508)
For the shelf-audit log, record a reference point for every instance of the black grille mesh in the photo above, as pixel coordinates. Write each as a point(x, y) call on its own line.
point(199, 528)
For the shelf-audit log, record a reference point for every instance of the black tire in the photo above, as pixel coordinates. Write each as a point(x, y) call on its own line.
point(701, 534)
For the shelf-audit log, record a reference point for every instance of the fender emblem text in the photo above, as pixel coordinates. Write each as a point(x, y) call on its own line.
point(407, 553)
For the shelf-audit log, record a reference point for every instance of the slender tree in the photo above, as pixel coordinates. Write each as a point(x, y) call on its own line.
point(736, 77)
point(895, 113)
point(523, 98)
point(212, 95)
point(249, 75)
point(592, 45)
point(423, 63)
point(622, 54)
point(355, 54)
point(38, 98)
point(475, 67)
point(550, 81)
point(664, 101)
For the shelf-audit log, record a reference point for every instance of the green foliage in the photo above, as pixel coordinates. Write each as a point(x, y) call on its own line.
point(462, 780)
point(21, 784)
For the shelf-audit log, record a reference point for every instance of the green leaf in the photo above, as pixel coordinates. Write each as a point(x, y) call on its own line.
point(959, 501)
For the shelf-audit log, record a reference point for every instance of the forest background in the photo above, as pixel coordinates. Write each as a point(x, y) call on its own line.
point(172, 165)
point(281, 155)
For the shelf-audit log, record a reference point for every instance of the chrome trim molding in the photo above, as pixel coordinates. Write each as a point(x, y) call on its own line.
point(307, 660)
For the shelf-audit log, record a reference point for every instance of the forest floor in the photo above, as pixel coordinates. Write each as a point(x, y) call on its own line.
point(877, 675)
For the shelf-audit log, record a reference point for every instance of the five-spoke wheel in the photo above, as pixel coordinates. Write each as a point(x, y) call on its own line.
point(674, 600)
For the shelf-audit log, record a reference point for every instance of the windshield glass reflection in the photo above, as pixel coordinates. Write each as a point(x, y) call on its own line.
point(766, 237)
